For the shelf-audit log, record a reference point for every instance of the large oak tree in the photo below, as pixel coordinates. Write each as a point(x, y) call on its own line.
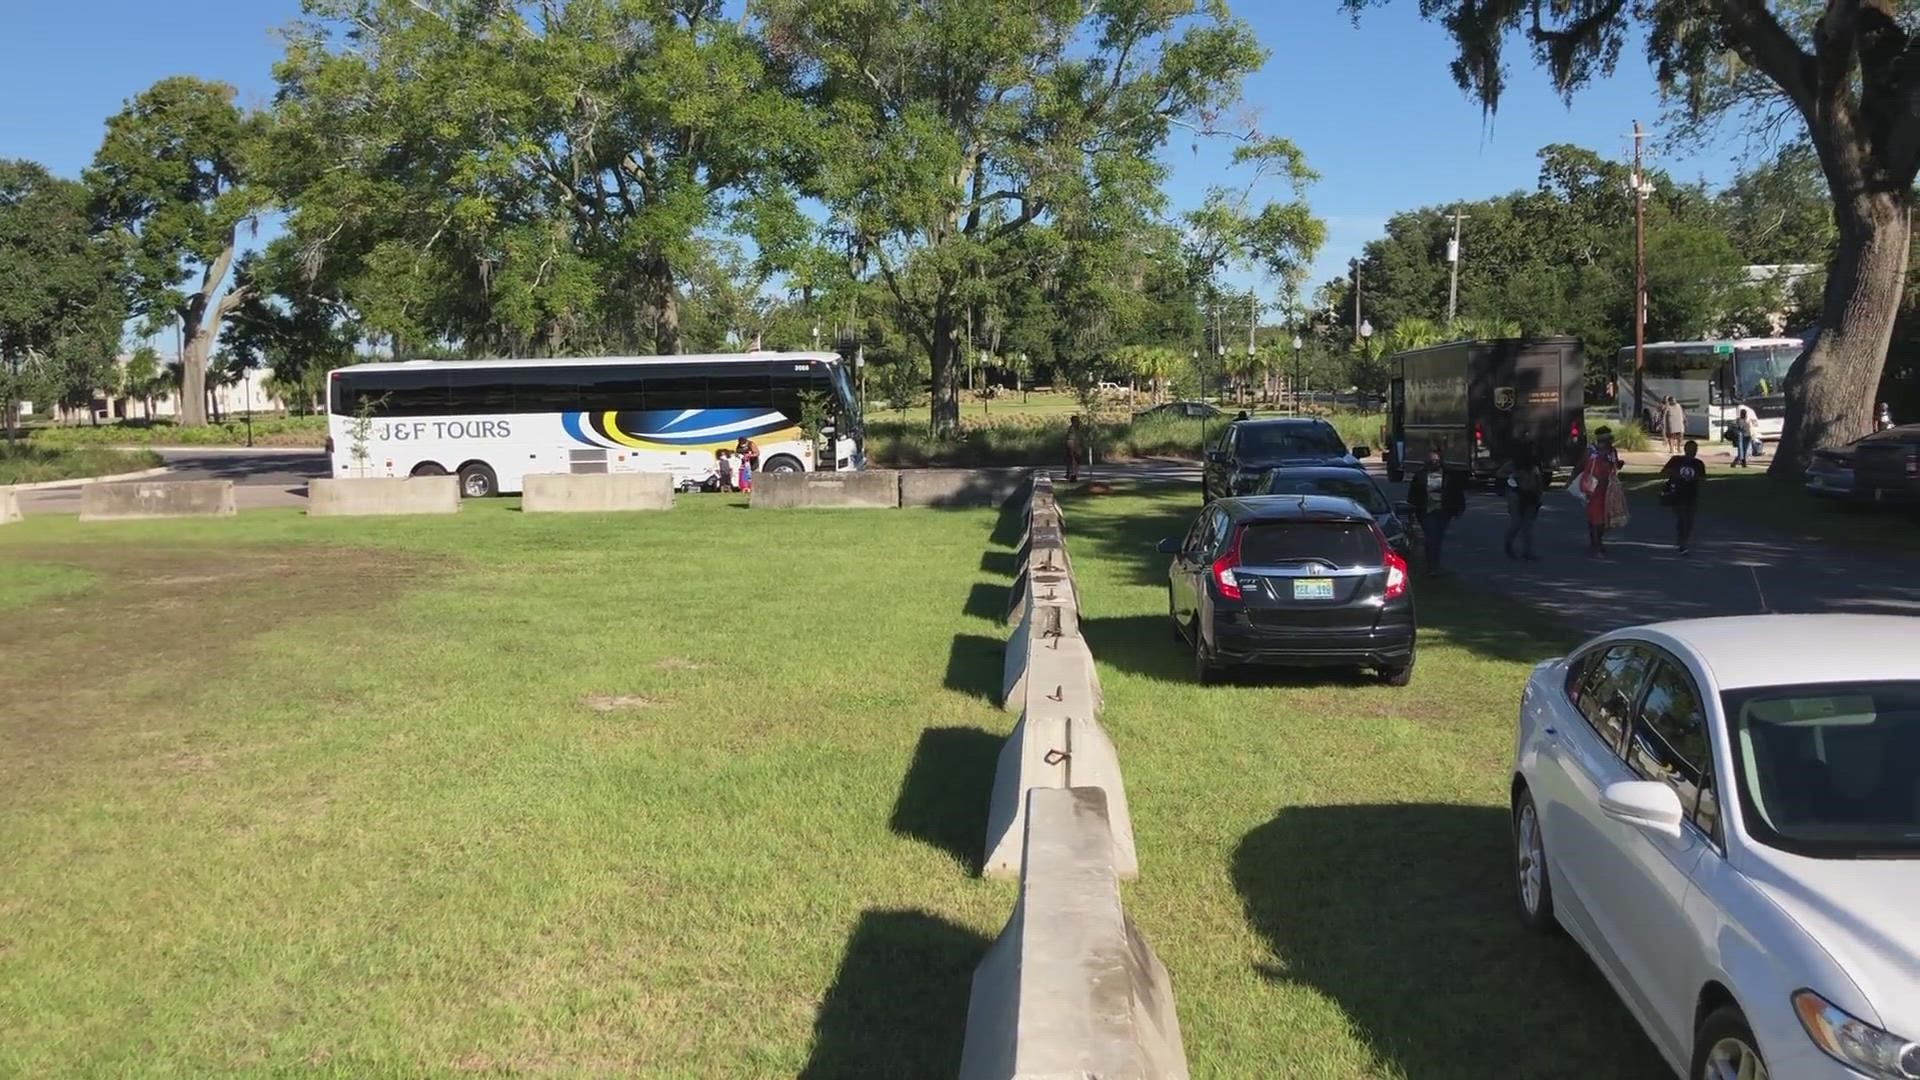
point(1848, 69)
point(952, 126)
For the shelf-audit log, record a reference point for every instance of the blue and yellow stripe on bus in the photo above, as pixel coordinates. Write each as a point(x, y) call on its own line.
point(683, 429)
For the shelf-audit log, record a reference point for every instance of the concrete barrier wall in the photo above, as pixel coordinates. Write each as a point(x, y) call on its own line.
point(1070, 989)
point(869, 489)
point(383, 495)
point(9, 506)
point(944, 488)
point(559, 493)
point(156, 499)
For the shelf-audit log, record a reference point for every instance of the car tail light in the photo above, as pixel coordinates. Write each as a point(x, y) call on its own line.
point(1478, 434)
point(1573, 431)
point(1396, 567)
point(1223, 578)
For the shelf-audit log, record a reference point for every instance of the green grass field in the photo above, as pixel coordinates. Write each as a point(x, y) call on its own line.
point(700, 794)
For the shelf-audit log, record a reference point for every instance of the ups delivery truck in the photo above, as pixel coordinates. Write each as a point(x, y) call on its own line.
point(1476, 402)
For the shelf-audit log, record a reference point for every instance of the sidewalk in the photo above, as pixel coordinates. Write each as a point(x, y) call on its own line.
point(1645, 580)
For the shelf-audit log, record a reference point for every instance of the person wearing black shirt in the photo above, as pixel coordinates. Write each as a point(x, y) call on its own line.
point(1684, 472)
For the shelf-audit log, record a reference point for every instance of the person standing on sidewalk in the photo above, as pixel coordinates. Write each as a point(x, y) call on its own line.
point(1076, 448)
point(1522, 482)
point(1684, 472)
point(1673, 424)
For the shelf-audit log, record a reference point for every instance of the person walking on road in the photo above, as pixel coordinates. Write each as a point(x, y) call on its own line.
point(1883, 418)
point(1522, 482)
point(1076, 448)
point(1598, 483)
point(1744, 423)
point(1673, 424)
point(1683, 473)
point(1438, 495)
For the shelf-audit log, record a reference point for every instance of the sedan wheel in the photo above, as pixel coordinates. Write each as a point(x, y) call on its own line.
point(1731, 1059)
point(1532, 887)
point(1725, 1049)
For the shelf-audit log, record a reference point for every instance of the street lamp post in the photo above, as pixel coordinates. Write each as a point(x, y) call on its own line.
point(246, 377)
point(1366, 336)
point(1297, 344)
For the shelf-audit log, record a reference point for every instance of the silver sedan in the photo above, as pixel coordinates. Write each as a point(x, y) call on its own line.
point(1725, 814)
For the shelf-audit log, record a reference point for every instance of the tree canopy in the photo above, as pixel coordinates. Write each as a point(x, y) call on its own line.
point(61, 302)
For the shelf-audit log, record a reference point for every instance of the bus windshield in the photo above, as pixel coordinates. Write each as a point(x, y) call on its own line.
point(1762, 370)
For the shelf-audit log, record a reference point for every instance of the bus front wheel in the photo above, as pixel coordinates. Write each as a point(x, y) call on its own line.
point(428, 468)
point(784, 464)
point(477, 481)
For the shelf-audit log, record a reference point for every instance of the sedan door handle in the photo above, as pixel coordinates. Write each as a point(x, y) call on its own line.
point(1551, 730)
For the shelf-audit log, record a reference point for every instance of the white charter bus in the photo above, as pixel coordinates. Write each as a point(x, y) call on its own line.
point(1710, 379)
point(492, 422)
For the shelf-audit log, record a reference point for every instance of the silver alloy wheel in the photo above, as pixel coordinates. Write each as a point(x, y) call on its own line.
point(476, 485)
point(1532, 860)
point(1733, 1059)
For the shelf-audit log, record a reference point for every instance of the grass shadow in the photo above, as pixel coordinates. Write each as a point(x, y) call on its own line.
point(1133, 541)
point(1403, 915)
point(898, 1005)
point(1011, 522)
point(943, 798)
point(975, 663)
point(988, 602)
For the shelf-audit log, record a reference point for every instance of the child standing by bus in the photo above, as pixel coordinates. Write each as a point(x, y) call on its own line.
point(746, 473)
point(723, 469)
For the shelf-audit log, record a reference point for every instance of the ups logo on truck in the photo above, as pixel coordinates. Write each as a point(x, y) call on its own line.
point(1503, 398)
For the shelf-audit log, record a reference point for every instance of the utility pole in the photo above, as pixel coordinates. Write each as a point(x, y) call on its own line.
point(1639, 275)
point(1355, 264)
point(1453, 257)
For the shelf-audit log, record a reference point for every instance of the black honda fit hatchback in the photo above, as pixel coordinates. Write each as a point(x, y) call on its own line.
point(1293, 581)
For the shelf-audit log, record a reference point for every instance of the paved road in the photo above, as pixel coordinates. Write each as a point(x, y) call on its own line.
point(263, 477)
point(1732, 571)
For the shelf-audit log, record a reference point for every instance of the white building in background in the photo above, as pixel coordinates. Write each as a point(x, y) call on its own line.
point(248, 394)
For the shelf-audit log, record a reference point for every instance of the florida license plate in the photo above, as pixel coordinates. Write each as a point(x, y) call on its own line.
point(1313, 588)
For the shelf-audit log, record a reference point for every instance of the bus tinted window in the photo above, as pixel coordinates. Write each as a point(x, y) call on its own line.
point(479, 391)
point(726, 390)
point(548, 390)
point(609, 389)
point(676, 392)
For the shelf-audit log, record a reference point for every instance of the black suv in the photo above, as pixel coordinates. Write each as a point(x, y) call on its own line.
point(1291, 580)
point(1238, 463)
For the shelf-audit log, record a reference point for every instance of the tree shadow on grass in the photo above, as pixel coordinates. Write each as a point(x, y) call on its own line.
point(1134, 541)
point(1403, 915)
point(943, 798)
point(975, 663)
point(898, 1005)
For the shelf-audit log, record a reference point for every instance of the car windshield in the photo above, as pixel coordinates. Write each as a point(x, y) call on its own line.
point(1358, 488)
point(1830, 770)
point(1311, 439)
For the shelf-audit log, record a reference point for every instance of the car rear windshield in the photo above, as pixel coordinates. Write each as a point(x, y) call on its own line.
point(1830, 770)
point(1358, 488)
point(1306, 439)
point(1336, 543)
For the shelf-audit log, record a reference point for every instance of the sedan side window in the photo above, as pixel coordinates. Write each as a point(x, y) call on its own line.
point(1191, 545)
point(1611, 687)
point(1670, 742)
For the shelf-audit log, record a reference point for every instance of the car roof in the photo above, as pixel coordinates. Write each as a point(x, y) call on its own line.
point(1259, 508)
point(1778, 650)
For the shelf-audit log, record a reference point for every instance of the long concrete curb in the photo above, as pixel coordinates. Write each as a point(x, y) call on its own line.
point(871, 489)
point(78, 481)
point(375, 496)
point(1071, 989)
point(158, 499)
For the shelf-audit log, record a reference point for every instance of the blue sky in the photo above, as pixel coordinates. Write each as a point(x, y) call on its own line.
point(1373, 108)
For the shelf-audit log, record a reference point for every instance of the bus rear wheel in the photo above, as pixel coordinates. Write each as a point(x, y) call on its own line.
point(477, 481)
point(783, 464)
